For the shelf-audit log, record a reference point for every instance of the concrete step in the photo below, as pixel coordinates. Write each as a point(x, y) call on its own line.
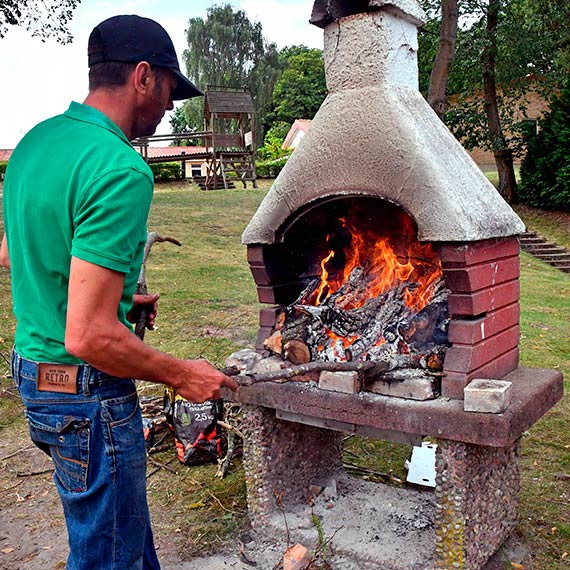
point(545, 249)
point(548, 251)
point(554, 257)
point(541, 245)
point(561, 262)
point(532, 239)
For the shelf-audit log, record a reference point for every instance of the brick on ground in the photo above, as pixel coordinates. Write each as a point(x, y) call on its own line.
point(296, 558)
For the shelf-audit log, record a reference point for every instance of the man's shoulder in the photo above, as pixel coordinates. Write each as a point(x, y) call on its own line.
point(94, 142)
point(101, 149)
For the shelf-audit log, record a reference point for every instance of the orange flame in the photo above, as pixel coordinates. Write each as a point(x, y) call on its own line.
point(324, 276)
point(387, 263)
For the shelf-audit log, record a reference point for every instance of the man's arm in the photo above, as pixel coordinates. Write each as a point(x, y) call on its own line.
point(95, 335)
point(4, 259)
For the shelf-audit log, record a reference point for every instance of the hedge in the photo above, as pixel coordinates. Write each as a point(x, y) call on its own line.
point(166, 171)
point(270, 168)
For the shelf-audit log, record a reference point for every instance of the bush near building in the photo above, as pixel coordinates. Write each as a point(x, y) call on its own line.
point(164, 171)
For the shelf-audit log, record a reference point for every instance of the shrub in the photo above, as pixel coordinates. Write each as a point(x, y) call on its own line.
point(545, 170)
point(270, 168)
point(271, 149)
point(3, 165)
point(166, 171)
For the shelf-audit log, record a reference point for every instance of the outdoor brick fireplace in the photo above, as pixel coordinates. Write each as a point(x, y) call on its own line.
point(378, 164)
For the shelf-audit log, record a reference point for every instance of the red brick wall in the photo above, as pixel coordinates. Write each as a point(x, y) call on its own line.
point(483, 278)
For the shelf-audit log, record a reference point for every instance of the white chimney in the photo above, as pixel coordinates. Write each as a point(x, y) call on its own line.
point(375, 135)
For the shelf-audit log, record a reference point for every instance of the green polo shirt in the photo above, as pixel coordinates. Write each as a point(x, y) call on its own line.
point(74, 186)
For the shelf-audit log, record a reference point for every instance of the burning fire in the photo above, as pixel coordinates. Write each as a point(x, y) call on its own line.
point(386, 264)
point(380, 298)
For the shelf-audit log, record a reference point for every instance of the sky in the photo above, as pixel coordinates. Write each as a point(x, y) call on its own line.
point(39, 79)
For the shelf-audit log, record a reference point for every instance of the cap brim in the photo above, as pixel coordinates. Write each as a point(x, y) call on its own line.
point(185, 89)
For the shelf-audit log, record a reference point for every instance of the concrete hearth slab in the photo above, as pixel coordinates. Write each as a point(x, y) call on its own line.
point(534, 392)
point(369, 526)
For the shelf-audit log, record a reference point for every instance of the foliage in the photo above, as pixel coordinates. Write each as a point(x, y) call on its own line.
point(166, 171)
point(3, 165)
point(531, 55)
point(270, 168)
point(42, 18)
point(468, 121)
point(532, 41)
point(272, 156)
point(227, 50)
point(428, 41)
point(272, 145)
point(545, 171)
point(467, 118)
point(549, 22)
point(301, 89)
point(277, 132)
point(181, 120)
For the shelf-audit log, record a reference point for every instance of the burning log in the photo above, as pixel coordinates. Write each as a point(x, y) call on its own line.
point(297, 351)
point(384, 329)
point(378, 298)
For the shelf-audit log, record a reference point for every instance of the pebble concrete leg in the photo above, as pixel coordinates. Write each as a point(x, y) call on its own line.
point(282, 459)
point(477, 490)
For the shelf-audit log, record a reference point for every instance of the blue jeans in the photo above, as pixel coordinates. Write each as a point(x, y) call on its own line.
point(95, 439)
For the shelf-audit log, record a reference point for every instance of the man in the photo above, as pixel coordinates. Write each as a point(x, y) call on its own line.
point(76, 200)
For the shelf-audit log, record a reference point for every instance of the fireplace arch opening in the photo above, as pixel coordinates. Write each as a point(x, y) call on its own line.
point(365, 288)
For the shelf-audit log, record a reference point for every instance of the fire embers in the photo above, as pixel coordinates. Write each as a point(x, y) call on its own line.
point(385, 301)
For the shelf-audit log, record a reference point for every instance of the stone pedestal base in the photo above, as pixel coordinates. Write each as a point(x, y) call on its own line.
point(476, 496)
point(477, 490)
point(282, 460)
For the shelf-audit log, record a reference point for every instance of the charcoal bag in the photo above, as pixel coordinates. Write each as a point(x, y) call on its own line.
point(199, 438)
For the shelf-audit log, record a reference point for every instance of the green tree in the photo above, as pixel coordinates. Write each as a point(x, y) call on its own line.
point(508, 49)
point(181, 122)
point(42, 18)
point(178, 120)
point(545, 171)
point(301, 89)
point(227, 50)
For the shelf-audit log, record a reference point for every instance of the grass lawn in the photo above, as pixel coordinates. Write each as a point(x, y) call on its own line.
point(209, 307)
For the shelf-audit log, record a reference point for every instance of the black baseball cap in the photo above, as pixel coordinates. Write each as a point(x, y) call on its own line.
point(131, 39)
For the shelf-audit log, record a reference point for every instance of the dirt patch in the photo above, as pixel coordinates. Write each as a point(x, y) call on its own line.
point(32, 526)
point(33, 534)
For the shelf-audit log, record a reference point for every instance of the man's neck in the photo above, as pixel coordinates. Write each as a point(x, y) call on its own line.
point(115, 105)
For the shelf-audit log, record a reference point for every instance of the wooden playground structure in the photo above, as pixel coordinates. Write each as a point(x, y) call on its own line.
point(227, 142)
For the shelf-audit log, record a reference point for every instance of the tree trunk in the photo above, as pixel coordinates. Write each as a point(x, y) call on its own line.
point(501, 151)
point(444, 57)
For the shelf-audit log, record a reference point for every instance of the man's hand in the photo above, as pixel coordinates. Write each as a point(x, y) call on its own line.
point(202, 382)
point(147, 302)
